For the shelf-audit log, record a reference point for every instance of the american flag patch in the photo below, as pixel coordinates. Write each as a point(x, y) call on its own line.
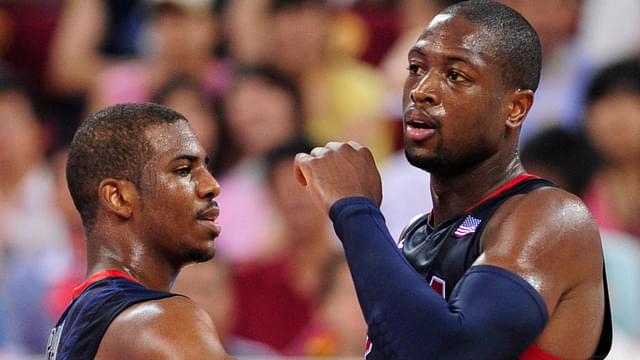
point(468, 226)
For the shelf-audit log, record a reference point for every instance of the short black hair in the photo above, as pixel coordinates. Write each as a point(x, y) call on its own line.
point(111, 144)
point(513, 40)
point(568, 153)
point(623, 75)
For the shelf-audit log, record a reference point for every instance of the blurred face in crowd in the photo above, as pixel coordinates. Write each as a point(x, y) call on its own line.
point(613, 123)
point(20, 143)
point(299, 37)
point(180, 33)
point(553, 20)
point(260, 116)
point(201, 118)
point(296, 205)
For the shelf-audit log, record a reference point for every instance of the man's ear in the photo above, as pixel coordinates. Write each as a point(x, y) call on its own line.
point(520, 103)
point(118, 196)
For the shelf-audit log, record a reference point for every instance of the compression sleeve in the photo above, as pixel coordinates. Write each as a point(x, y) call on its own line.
point(492, 313)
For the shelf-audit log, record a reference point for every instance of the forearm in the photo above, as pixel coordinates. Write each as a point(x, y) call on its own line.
point(491, 314)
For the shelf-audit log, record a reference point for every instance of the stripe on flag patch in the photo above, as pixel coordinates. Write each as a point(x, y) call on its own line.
point(468, 226)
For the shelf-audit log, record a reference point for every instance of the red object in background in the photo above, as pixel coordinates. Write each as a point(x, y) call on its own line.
point(382, 23)
point(268, 310)
point(33, 25)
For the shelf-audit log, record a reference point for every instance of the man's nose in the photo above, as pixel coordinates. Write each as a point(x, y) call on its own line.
point(426, 90)
point(208, 187)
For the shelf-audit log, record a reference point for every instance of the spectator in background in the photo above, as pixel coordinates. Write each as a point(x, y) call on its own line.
point(613, 123)
point(564, 157)
point(245, 27)
point(613, 195)
point(90, 37)
point(32, 231)
point(566, 69)
point(210, 285)
point(338, 327)
point(276, 296)
point(341, 96)
point(263, 110)
point(180, 39)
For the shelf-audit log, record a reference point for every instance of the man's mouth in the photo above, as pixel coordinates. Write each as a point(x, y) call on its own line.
point(419, 128)
point(208, 218)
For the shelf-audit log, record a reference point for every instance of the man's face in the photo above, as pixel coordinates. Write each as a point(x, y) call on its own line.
point(260, 115)
point(177, 211)
point(453, 99)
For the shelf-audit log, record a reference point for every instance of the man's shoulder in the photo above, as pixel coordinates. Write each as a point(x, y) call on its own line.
point(545, 223)
point(161, 328)
point(552, 207)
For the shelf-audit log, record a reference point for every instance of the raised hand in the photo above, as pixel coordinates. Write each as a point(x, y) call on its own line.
point(338, 170)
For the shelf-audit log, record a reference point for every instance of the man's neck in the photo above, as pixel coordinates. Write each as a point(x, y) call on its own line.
point(452, 195)
point(153, 273)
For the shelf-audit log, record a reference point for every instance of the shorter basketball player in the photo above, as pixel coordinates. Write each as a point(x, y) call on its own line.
point(138, 176)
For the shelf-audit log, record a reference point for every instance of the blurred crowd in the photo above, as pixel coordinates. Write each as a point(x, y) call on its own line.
point(259, 81)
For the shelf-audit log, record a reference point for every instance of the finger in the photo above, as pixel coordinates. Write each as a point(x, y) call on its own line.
point(355, 145)
point(334, 145)
point(318, 151)
point(298, 164)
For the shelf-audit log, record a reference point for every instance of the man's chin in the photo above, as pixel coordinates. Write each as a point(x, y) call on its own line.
point(422, 161)
point(202, 254)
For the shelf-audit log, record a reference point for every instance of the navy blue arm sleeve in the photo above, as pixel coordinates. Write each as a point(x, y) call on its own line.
point(492, 313)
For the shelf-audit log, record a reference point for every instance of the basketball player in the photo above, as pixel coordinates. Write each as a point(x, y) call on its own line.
point(138, 176)
point(515, 262)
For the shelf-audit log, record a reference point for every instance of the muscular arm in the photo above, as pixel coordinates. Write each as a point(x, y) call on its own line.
point(549, 239)
point(171, 328)
point(492, 313)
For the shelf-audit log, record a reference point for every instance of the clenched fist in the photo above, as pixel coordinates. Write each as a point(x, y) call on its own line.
point(338, 170)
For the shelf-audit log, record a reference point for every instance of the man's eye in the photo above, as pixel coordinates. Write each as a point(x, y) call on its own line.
point(455, 76)
point(413, 69)
point(183, 171)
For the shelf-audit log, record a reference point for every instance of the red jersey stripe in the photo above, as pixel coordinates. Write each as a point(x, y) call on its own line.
point(503, 188)
point(99, 276)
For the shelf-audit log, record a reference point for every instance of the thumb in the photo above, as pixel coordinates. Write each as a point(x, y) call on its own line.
point(299, 170)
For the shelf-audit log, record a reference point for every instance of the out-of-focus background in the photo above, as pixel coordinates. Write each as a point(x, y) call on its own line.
point(261, 80)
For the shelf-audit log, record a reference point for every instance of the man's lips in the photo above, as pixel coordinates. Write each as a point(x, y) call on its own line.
point(208, 218)
point(419, 127)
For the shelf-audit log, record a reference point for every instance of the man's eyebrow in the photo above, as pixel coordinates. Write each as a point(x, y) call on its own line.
point(458, 58)
point(188, 157)
point(416, 49)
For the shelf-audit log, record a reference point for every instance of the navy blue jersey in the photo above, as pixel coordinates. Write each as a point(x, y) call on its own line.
point(443, 254)
point(96, 304)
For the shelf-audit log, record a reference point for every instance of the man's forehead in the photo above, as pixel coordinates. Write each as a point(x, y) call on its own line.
point(174, 137)
point(454, 32)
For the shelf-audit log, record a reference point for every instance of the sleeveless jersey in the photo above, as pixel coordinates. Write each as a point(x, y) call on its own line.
point(95, 304)
point(442, 254)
